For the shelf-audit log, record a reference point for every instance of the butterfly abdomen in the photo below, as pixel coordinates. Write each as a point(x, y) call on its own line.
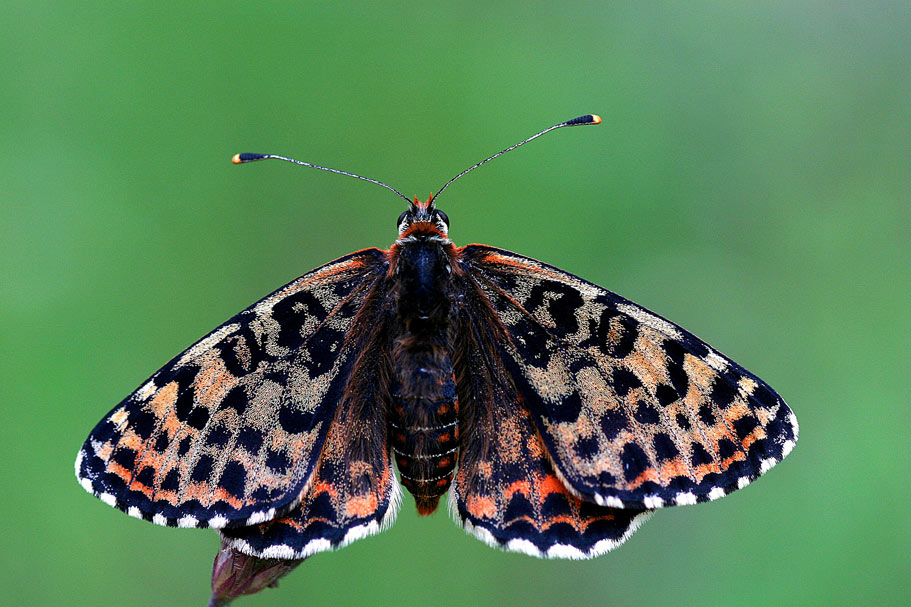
point(424, 433)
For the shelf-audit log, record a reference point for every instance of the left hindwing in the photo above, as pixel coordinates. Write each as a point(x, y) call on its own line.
point(634, 411)
point(354, 492)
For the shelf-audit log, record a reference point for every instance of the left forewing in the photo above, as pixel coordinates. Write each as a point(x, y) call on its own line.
point(228, 432)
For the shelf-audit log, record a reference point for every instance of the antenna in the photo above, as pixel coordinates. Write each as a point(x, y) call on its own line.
point(244, 158)
point(581, 120)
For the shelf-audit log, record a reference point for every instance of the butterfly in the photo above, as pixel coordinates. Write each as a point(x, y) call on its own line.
point(556, 414)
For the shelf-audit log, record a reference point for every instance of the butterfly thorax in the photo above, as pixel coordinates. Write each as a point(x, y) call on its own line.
point(423, 412)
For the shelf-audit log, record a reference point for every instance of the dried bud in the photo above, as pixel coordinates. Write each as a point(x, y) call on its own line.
point(235, 573)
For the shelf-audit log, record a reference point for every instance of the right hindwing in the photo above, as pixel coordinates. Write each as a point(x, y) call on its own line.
point(506, 491)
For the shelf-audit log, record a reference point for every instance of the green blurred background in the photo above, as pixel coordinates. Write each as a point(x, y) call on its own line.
point(751, 182)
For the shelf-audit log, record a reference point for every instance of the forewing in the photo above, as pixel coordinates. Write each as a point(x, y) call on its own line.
point(506, 492)
point(354, 492)
point(229, 431)
point(634, 411)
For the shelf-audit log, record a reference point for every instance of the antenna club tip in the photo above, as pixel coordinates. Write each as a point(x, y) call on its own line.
point(587, 119)
point(246, 157)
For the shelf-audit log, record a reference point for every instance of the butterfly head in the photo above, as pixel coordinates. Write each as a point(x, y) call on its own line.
point(423, 219)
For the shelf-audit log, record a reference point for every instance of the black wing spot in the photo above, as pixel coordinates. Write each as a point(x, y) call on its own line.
point(184, 404)
point(707, 415)
point(162, 442)
point(198, 418)
point(586, 448)
point(745, 425)
point(723, 392)
point(146, 476)
point(519, 507)
point(682, 421)
point(250, 439)
point(534, 349)
point(561, 309)
point(234, 479)
point(569, 407)
point(617, 337)
point(606, 479)
point(679, 378)
point(726, 448)
point(555, 505)
point(236, 399)
point(696, 347)
point(143, 423)
point(202, 470)
point(218, 437)
point(228, 351)
point(321, 507)
point(125, 457)
point(294, 421)
point(665, 448)
point(634, 461)
point(278, 461)
point(292, 313)
point(765, 395)
point(185, 444)
point(324, 347)
point(265, 494)
point(699, 455)
point(675, 354)
point(613, 423)
point(665, 395)
point(646, 414)
point(171, 481)
point(624, 380)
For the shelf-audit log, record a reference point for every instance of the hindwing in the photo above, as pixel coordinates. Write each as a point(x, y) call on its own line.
point(634, 411)
point(229, 431)
point(354, 492)
point(506, 491)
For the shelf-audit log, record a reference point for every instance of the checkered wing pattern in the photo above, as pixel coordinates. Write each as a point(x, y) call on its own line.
point(228, 432)
point(354, 492)
point(507, 493)
point(634, 411)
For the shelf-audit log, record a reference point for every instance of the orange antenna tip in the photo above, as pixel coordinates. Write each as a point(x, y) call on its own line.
point(587, 119)
point(244, 158)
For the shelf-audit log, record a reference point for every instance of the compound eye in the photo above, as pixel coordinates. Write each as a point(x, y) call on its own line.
point(398, 222)
point(444, 217)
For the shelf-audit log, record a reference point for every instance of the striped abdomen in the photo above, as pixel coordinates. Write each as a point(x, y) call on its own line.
point(424, 430)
